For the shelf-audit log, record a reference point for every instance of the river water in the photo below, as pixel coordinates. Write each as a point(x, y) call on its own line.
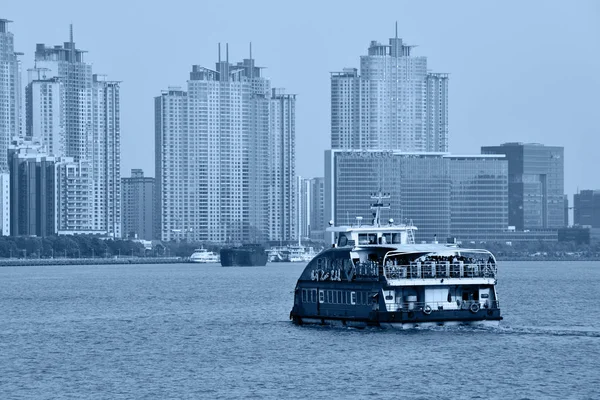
point(184, 331)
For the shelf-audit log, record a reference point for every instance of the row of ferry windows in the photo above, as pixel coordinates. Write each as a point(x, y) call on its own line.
point(335, 297)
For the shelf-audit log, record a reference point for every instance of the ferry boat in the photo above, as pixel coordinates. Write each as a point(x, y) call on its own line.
point(375, 275)
point(248, 255)
point(204, 256)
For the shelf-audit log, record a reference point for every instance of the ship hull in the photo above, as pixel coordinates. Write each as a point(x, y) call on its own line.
point(407, 320)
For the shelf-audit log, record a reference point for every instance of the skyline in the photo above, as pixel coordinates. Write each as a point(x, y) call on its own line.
point(498, 77)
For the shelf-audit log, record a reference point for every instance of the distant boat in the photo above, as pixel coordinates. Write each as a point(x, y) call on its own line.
point(204, 256)
point(296, 253)
point(248, 255)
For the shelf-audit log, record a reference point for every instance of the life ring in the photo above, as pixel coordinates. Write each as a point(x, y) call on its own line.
point(427, 309)
point(474, 307)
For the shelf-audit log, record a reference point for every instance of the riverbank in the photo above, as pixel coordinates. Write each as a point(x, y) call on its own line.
point(24, 262)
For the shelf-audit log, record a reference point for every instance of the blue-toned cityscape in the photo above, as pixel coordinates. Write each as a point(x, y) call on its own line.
point(225, 157)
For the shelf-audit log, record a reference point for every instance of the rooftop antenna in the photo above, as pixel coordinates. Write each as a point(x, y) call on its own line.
point(72, 43)
point(251, 63)
point(396, 29)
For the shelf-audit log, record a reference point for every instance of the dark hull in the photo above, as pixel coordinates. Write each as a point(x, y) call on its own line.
point(243, 257)
point(413, 317)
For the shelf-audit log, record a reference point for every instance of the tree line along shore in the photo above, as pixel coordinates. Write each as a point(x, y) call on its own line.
point(87, 249)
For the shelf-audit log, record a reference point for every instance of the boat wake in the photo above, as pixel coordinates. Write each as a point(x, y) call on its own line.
point(499, 330)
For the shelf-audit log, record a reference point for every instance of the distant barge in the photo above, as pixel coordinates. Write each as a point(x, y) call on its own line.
point(249, 255)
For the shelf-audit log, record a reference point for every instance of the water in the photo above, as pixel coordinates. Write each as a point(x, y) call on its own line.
point(185, 331)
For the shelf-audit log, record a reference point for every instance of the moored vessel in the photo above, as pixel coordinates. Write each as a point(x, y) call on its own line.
point(375, 275)
point(204, 256)
point(248, 255)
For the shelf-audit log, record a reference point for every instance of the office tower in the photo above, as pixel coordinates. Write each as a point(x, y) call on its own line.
point(281, 156)
point(215, 144)
point(443, 195)
point(393, 104)
point(77, 114)
point(478, 195)
point(106, 156)
point(32, 188)
point(586, 208)
point(535, 184)
point(138, 206)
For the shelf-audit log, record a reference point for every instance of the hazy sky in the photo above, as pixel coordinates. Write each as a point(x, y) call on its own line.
point(525, 71)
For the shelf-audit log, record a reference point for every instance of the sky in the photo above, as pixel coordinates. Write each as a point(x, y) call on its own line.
point(520, 71)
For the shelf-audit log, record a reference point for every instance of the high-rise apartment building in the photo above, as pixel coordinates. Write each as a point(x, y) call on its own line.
point(10, 115)
point(393, 104)
point(443, 195)
point(77, 114)
point(171, 165)
point(535, 184)
point(215, 146)
point(67, 64)
point(303, 207)
point(45, 112)
point(318, 224)
point(282, 159)
point(106, 156)
point(74, 207)
point(138, 202)
point(10, 93)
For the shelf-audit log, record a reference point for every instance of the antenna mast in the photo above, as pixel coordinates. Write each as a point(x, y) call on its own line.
point(378, 206)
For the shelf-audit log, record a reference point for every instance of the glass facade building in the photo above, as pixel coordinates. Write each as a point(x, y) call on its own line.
point(586, 208)
point(443, 195)
point(535, 184)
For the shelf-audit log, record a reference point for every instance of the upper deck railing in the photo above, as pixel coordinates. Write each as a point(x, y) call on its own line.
point(440, 270)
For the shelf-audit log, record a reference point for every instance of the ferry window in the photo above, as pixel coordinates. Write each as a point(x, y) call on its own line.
point(329, 300)
point(387, 237)
point(334, 297)
point(313, 296)
point(340, 297)
point(321, 296)
point(362, 238)
point(343, 240)
point(353, 298)
point(304, 295)
point(485, 295)
point(396, 238)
